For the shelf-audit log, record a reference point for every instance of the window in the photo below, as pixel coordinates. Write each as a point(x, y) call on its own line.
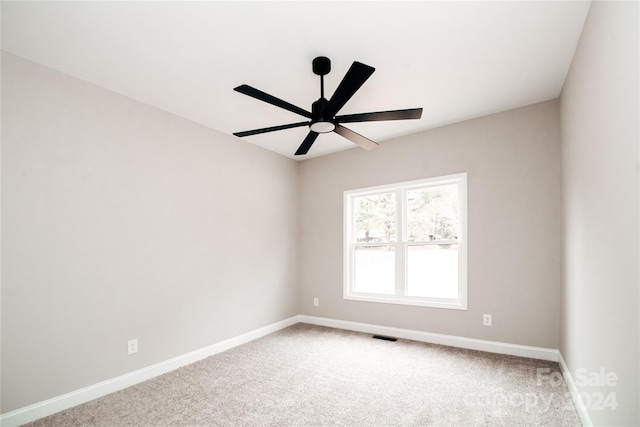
point(405, 243)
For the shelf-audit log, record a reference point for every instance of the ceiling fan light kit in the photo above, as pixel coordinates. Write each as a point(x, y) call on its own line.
point(322, 118)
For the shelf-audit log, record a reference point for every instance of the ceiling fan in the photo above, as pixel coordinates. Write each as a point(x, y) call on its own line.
point(323, 117)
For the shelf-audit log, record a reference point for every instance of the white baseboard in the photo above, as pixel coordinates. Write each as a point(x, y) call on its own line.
point(575, 393)
point(450, 340)
point(74, 398)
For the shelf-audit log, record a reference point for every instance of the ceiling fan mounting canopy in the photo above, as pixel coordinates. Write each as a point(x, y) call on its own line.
point(322, 118)
point(321, 65)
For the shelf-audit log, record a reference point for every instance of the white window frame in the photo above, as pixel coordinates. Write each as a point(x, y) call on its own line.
point(401, 244)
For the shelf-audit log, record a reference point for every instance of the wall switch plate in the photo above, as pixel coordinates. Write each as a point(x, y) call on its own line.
point(486, 320)
point(132, 346)
point(316, 302)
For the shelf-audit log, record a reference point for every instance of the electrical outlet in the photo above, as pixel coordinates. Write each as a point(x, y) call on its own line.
point(486, 320)
point(132, 346)
point(316, 302)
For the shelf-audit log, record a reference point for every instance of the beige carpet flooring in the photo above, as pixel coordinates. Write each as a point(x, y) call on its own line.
point(308, 376)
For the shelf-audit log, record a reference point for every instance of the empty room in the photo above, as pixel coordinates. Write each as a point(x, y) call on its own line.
point(320, 213)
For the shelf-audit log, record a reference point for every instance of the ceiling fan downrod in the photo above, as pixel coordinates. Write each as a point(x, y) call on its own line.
point(319, 123)
point(321, 67)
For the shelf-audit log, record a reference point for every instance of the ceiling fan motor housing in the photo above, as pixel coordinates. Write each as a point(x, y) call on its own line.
point(320, 123)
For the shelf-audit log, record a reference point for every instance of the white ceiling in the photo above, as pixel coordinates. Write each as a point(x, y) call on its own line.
point(457, 60)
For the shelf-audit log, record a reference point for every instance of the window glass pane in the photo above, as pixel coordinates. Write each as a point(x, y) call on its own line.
point(433, 213)
point(375, 269)
point(375, 218)
point(432, 271)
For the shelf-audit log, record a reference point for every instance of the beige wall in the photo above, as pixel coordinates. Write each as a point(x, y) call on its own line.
point(514, 199)
point(121, 221)
point(600, 132)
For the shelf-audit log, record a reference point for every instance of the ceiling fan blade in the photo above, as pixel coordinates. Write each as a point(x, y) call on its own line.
point(270, 129)
point(307, 143)
point(413, 113)
point(354, 137)
point(355, 77)
point(262, 96)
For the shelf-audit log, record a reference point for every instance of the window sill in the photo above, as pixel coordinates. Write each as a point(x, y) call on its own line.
point(433, 303)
